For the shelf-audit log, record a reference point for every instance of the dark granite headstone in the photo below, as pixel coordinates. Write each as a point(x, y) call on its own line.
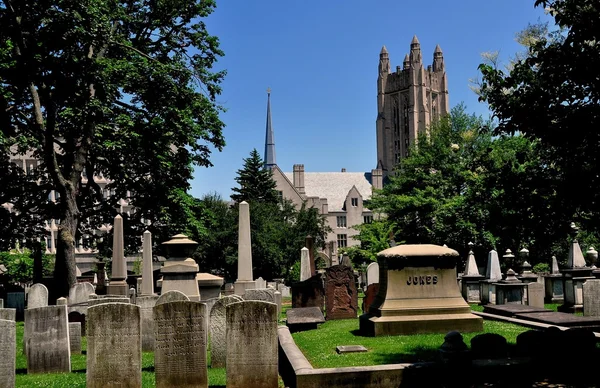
point(510, 310)
point(309, 293)
point(488, 346)
point(341, 297)
point(304, 318)
point(16, 300)
point(370, 294)
point(75, 316)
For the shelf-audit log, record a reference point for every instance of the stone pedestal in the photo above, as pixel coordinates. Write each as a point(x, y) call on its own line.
point(554, 288)
point(487, 291)
point(573, 280)
point(471, 289)
point(209, 285)
point(418, 294)
point(179, 271)
point(510, 290)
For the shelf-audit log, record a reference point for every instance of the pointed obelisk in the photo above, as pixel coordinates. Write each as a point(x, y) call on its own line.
point(244, 281)
point(147, 270)
point(118, 279)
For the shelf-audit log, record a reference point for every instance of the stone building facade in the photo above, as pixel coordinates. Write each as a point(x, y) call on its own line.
point(408, 101)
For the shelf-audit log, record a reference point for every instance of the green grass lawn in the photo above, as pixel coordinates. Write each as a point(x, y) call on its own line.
point(319, 345)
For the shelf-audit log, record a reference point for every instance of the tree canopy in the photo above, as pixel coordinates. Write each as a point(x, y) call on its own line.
point(255, 181)
point(120, 90)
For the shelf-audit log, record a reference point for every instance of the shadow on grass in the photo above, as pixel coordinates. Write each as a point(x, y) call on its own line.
point(148, 369)
point(416, 354)
point(78, 371)
point(217, 386)
point(21, 371)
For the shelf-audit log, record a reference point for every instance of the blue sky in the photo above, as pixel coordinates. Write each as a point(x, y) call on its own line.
point(320, 60)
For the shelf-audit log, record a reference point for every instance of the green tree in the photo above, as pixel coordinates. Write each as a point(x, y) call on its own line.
point(123, 90)
point(374, 237)
point(551, 94)
point(255, 181)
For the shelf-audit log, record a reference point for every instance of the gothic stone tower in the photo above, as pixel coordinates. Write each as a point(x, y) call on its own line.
point(408, 100)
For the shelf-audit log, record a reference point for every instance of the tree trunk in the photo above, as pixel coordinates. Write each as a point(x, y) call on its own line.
point(65, 267)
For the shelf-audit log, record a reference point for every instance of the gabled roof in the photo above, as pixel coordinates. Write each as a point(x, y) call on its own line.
point(335, 186)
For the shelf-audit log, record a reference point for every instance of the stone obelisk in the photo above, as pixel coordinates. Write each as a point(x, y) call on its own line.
point(147, 270)
point(118, 279)
point(244, 281)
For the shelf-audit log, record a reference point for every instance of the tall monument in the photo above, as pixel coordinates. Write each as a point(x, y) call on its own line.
point(408, 101)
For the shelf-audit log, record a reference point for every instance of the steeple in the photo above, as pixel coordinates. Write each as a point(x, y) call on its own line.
point(415, 52)
point(269, 137)
point(438, 59)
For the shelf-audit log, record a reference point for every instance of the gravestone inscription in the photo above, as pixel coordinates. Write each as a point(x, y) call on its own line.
point(341, 296)
point(218, 323)
point(180, 344)
point(47, 340)
point(114, 346)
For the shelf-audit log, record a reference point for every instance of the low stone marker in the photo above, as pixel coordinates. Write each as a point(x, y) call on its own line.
point(114, 346)
point(37, 296)
point(341, 349)
point(304, 318)
point(341, 296)
point(264, 294)
point(218, 324)
point(172, 296)
point(75, 337)
point(252, 357)
point(47, 340)
point(180, 344)
point(535, 294)
point(146, 304)
point(8, 352)
point(8, 314)
point(591, 298)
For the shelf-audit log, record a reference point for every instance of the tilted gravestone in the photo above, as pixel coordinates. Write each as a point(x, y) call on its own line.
point(75, 337)
point(172, 296)
point(114, 346)
point(535, 294)
point(218, 324)
point(180, 344)
point(591, 298)
point(8, 314)
point(341, 297)
point(37, 296)
point(8, 352)
point(252, 344)
point(47, 340)
point(146, 304)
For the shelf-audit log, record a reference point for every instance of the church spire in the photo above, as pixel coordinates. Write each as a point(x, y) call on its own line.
point(269, 137)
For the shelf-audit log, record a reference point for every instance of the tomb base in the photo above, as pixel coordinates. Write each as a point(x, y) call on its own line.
point(419, 324)
point(181, 276)
point(240, 286)
point(554, 289)
point(118, 288)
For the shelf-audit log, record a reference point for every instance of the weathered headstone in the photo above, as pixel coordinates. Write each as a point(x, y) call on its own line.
point(591, 298)
point(95, 302)
point(37, 296)
point(180, 347)
point(264, 294)
point(146, 304)
point(341, 297)
point(372, 273)
point(309, 293)
point(305, 270)
point(343, 349)
point(75, 337)
point(172, 296)
point(8, 314)
point(1, 303)
point(62, 301)
point(260, 283)
point(285, 291)
point(114, 346)
point(218, 346)
point(489, 346)
point(79, 295)
point(252, 344)
point(46, 338)
point(16, 300)
point(75, 316)
point(8, 352)
point(535, 294)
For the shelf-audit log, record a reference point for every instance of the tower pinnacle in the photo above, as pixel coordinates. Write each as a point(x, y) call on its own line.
point(269, 136)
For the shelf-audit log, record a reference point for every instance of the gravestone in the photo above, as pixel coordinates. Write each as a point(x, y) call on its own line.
point(74, 317)
point(489, 346)
point(264, 294)
point(180, 347)
point(8, 352)
point(341, 297)
point(303, 318)
point(369, 298)
point(260, 283)
point(8, 314)
point(46, 338)
point(305, 269)
point(95, 302)
point(62, 301)
point(1, 303)
point(218, 324)
point(114, 346)
point(252, 344)
point(16, 300)
point(535, 294)
point(37, 296)
point(118, 278)
point(343, 349)
point(309, 293)
point(75, 337)
point(147, 286)
point(278, 302)
point(146, 304)
point(372, 273)
point(591, 298)
point(172, 296)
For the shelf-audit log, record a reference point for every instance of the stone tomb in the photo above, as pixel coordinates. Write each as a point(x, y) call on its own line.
point(218, 326)
point(180, 348)
point(8, 352)
point(37, 296)
point(341, 296)
point(75, 337)
point(47, 340)
point(309, 293)
point(418, 294)
point(114, 346)
point(304, 318)
point(562, 319)
point(146, 304)
point(252, 353)
point(510, 310)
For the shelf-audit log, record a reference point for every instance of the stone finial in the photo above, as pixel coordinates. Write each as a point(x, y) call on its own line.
point(383, 50)
point(438, 49)
point(511, 277)
point(576, 259)
point(592, 256)
point(471, 268)
point(524, 253)
point(61, 301)
point(526, 267)
point(508, 254)
point(415, 41)
point(454, 348)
